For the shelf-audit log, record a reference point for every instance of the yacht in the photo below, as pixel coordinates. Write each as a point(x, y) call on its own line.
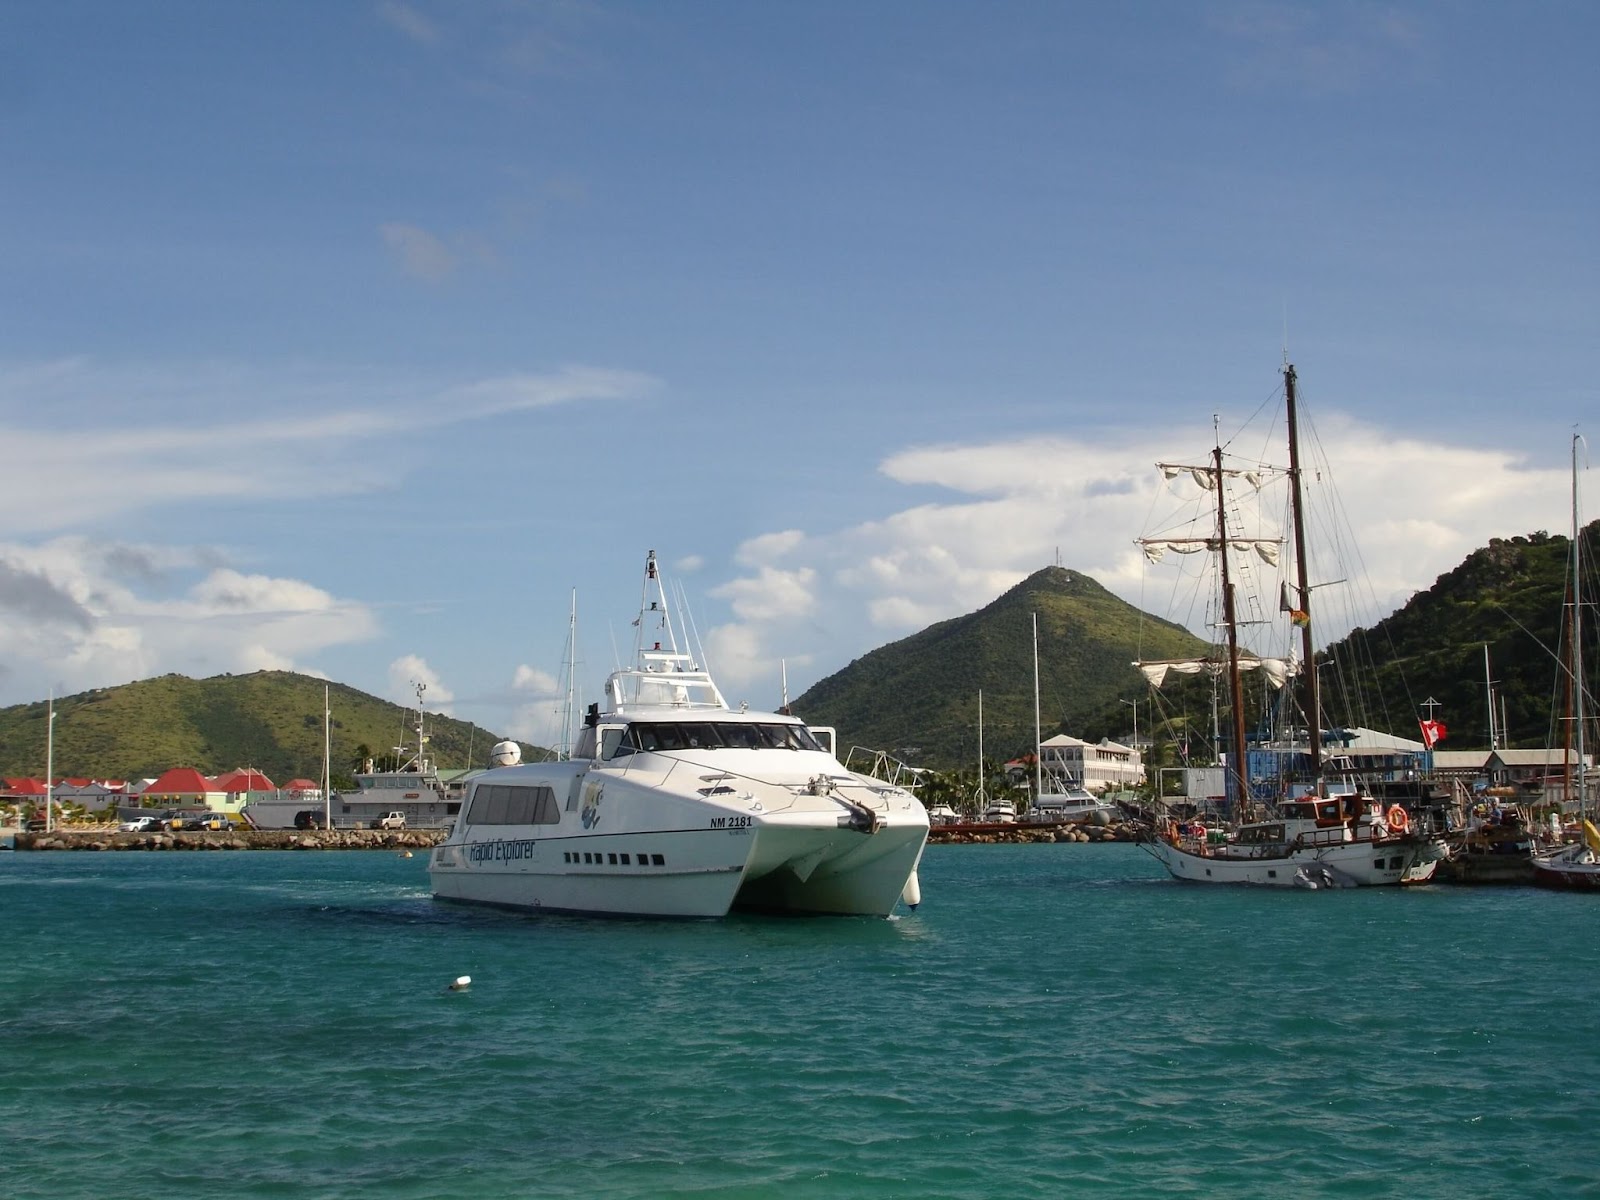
point(1000, 812)
point(673, 803)
point(1313, 842)
point(1068, 802)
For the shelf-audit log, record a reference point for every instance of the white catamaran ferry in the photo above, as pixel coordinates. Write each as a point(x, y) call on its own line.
point(675, 804)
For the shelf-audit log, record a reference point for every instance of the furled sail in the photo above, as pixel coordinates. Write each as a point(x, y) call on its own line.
point(1206, 476)
point(1266, 549)
point(1277, 670)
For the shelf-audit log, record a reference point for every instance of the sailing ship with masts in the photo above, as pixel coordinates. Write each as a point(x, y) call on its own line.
point(1577, 865)
point(1321, 831)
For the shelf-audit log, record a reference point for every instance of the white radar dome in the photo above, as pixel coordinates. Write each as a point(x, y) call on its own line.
point(505, 754)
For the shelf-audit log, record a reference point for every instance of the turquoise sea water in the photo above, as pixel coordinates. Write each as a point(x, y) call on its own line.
point(1053, 1021)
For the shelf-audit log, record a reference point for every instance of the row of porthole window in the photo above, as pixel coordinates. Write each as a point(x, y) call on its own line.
point(611, 859)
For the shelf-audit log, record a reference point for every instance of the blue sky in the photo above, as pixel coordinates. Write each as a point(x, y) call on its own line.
point(351, 338)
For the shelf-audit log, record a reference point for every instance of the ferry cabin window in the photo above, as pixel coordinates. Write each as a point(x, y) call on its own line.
point(510, 804)
point(706, 735)
point(744, 737)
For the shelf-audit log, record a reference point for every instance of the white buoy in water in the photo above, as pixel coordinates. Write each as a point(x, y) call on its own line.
point(912, 892)
point(462, 983)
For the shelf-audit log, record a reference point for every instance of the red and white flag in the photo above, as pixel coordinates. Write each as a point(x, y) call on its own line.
point(1432, 731)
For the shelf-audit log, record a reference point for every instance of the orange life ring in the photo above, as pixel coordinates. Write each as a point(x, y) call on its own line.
point(1396, 817)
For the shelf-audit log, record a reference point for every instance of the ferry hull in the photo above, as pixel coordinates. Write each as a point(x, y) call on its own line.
point(701, 873)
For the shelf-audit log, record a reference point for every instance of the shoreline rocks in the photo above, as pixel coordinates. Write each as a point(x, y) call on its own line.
point(1026, 834)
point(236, 839)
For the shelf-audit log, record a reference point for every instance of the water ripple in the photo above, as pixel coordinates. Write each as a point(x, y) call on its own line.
point(1054, 1020)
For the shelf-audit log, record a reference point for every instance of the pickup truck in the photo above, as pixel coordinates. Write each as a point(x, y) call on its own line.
point(394, 820)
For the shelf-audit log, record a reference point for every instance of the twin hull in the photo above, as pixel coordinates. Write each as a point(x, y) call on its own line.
point(648, 839)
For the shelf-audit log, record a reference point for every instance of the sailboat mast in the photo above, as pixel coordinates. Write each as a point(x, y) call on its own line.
point(1038, 750)
point(1577, 637)
point(981, 796)
point(1488, 693)
point(1235, 691)
point(1302, 581)
point(564, 750)
point(327, 766)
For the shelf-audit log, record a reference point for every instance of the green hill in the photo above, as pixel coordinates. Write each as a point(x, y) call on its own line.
point(271, 720)
point(1510, 596)
point(918, 697)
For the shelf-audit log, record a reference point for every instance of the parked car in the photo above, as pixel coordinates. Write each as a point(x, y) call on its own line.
point(140, 825)
point(393, 820)
point(188, 820)
point(216, 821)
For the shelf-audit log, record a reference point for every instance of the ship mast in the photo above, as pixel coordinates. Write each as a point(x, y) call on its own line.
point(1038, 749)
point(1577, 637)
point(1235, 691)
point(1303, 616)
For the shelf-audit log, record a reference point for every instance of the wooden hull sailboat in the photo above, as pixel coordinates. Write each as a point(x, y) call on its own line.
point(1325, 834)
point(1576, 866)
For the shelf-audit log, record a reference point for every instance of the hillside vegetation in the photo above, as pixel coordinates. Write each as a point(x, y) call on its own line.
point(271, 720)
point(1511, 596)
point(918, 697)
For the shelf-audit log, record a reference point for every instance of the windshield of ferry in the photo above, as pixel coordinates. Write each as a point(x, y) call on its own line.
point(714, 735)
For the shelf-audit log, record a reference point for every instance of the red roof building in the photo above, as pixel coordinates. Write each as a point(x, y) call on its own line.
point(243, 780)
point(181, 783)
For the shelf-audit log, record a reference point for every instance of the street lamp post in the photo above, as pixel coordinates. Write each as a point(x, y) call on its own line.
point(1134, 704)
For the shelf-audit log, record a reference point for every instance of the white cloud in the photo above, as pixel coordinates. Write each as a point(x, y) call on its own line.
point(532, 679)
point(770, 547)
point(299, 450)
point(76, 613)
point(516, 393)
point(1416, 509)
point(406, 672)
point(733, 654)
point(409, 21)
point(420, 253)
point(771, 595)
point(1316, 49)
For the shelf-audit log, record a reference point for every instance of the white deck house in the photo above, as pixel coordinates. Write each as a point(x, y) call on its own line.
point(1093, 766)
